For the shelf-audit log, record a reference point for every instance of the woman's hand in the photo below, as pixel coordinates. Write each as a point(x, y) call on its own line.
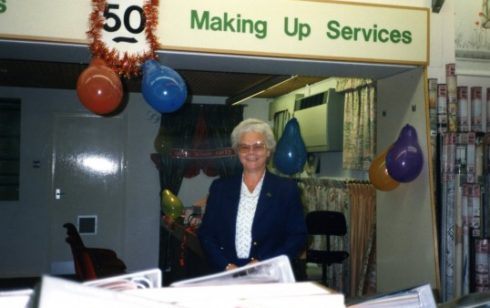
point(230, 267)
point(253, 261)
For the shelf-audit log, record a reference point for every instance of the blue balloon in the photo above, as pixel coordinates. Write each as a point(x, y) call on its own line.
point(162, 87)
point(404, 160)
point(290, 154)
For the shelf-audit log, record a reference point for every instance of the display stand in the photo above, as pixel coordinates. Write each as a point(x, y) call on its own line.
point(297, 42)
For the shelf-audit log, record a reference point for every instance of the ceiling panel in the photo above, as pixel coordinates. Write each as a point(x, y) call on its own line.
point(58, 65)
point(41, 74)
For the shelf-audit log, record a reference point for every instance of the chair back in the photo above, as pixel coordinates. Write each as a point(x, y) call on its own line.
point(84, 266)
point(92, 262)
point(326, 223)
point(73, 235)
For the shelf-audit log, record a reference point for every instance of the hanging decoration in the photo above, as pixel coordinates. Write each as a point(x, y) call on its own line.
point(404, 160)
point(162, 87)
point(99, 88)
point(378, 173)
point(171, 205)
point(122, 34)
point(290, 154)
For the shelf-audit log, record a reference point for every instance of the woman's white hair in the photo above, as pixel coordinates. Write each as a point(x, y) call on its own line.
point(255, 126)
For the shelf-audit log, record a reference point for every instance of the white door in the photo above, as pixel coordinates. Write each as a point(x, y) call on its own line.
point(87, 180)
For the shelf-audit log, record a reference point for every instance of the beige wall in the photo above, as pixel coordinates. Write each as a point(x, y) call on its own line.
point(406, 239)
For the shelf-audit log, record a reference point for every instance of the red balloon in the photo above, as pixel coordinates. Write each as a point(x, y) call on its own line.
point(99, 88)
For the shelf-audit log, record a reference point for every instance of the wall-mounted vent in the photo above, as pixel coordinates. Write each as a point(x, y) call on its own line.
point(311, 101)
point(87, 224)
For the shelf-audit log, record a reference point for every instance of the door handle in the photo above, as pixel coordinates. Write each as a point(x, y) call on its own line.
point(58, 193)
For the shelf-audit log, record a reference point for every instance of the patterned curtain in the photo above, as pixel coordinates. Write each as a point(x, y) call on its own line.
point(357, 201)
point(359, 122)
point(331, 195)
point(362, 239)
point(280, 120)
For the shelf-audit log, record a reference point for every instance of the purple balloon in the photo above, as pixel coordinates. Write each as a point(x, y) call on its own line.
point(290, 154)
point(404, 160)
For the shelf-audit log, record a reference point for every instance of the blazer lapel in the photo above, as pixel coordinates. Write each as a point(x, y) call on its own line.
point(234, 196)
point(265, 193)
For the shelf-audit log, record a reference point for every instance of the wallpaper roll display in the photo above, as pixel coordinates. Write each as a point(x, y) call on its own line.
point(476, 109)
point(488, 109)
point(433, 103)
point(463, 168)
point(442, 108)
point(463, 114)
point(452, 108)
point(482, 282)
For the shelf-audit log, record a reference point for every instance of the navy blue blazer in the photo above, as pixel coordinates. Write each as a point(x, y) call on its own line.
point(278, 227)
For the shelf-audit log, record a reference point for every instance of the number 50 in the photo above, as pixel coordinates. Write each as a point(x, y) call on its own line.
point(116, 24)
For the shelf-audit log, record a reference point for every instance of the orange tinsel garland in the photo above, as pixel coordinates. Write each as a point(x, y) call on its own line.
point(124, 65)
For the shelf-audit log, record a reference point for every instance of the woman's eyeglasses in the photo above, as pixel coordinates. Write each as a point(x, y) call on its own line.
point(256, 147)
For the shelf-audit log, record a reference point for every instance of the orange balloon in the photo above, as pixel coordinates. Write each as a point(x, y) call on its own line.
point(99, 88)
point(378, 174)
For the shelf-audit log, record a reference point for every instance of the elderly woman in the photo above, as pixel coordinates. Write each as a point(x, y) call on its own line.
point(255, 215)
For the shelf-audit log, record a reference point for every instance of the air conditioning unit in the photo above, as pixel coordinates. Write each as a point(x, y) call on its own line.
point(321, 118)
point(283, 103)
